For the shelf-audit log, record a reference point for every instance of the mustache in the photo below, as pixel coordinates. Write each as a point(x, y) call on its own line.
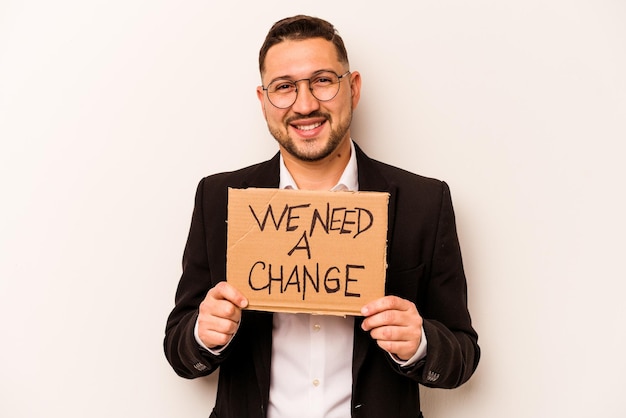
point(315, 114)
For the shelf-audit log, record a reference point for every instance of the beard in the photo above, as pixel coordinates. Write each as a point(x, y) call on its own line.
point(311, 150)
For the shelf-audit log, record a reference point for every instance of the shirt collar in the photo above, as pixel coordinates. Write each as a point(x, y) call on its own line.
point(349, 180)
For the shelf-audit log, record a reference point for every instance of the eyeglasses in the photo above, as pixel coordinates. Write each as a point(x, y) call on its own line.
point(324, 86)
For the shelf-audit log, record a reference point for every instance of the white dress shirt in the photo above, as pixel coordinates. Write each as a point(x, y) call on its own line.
point(311, 373)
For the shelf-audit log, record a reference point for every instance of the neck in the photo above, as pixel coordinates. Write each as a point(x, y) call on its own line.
point(319, 175)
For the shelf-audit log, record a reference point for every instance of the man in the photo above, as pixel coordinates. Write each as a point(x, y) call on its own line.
point(298, 365)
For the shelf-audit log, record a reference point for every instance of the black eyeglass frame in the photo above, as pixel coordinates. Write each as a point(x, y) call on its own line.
point(308, 80)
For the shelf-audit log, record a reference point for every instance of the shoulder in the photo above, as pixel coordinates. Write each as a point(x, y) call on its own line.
point(401, 176)
point(377, 172)
point(413, 189)
point(263, 174)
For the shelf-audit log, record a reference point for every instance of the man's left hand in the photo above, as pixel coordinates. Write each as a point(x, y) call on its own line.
point(395, 324)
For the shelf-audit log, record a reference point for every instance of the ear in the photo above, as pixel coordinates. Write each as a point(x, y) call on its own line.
point(260, 94)
point(355, 88)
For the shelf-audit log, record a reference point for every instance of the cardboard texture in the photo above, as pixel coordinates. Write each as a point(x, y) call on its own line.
point(304, 251)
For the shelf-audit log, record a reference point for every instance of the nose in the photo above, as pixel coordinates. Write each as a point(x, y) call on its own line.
point(305, 101)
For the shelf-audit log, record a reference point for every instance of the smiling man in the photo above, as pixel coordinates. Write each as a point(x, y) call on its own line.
point(300, 365)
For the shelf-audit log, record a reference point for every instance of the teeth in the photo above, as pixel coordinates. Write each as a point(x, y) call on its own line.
point(308, 127)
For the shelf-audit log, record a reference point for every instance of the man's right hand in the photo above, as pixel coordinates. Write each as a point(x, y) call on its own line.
point(219, 315)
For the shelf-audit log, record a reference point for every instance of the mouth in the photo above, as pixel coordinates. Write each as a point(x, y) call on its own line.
point(308, 128)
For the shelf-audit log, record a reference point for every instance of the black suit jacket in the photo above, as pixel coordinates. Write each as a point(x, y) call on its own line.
point(424, 266)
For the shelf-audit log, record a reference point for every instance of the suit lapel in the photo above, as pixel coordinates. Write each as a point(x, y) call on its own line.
point(264, 175)
point(370, 179)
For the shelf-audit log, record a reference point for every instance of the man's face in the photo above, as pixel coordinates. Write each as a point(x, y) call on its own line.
point(309, 130)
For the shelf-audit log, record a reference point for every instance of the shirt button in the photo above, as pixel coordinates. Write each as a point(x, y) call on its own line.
point(317, 327)
point(316, 382)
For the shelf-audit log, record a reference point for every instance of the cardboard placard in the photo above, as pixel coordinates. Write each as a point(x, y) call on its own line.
point(304, 251)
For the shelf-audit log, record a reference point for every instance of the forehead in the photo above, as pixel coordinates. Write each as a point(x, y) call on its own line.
point(300, 58)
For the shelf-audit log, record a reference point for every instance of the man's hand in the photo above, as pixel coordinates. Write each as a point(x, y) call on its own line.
point(395, 324)
point(220, 313)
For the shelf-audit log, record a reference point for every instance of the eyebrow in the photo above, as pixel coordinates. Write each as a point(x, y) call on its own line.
point(290, 78)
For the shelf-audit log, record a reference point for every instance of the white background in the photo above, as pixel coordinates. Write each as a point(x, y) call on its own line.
point(111, 112)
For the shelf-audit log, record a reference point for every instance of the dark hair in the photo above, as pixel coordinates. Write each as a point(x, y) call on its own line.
point(302, 27)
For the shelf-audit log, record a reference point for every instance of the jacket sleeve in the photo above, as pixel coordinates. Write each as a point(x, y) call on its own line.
point(453, 352)
point(184, 354)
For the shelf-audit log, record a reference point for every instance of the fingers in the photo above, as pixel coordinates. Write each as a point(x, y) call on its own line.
point(219, 314)
point(383, 304)
point(225, 291)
